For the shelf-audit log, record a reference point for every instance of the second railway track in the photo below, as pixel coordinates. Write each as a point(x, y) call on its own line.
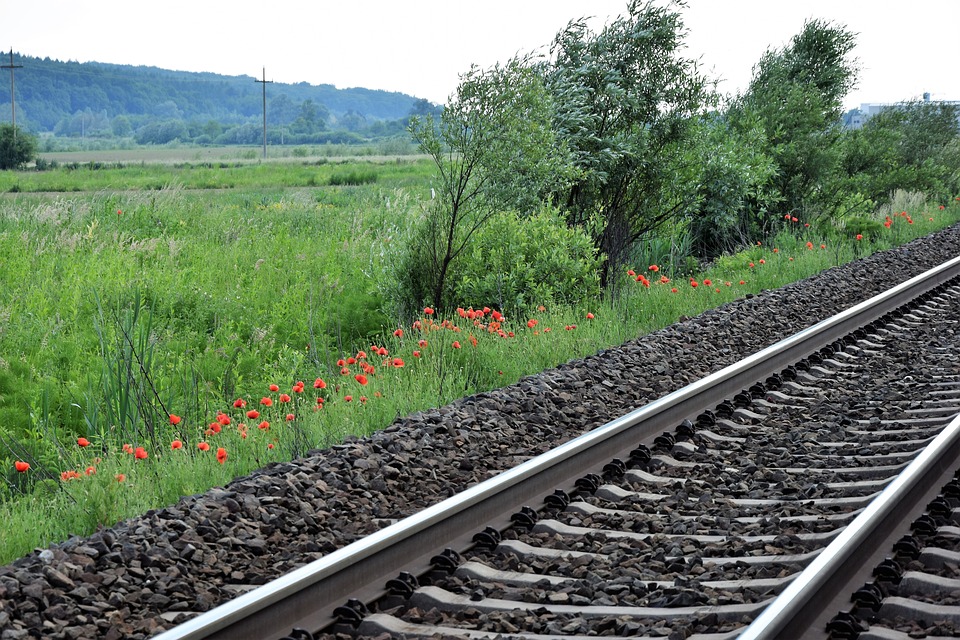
point(686, 518)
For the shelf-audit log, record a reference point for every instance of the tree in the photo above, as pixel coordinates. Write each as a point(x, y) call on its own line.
point(494, 147)
point(626, 101)
point(17, 148)
point(911, 146)
point(732, 186)
point(796, 95)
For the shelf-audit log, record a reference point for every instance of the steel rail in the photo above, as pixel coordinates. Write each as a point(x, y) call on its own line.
point(306, 597)
point(791, 614)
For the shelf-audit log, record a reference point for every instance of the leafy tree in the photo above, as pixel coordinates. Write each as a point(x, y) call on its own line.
point(732, 187)
point(912, 146)
point(796, 95)
point(494, 147)
point(17, 148)
point(625, 100)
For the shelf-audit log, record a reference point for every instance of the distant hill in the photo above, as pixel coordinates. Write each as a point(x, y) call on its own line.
point(93, 99)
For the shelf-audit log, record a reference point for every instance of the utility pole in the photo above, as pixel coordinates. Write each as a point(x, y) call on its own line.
point(264, 83)
point(13, 101)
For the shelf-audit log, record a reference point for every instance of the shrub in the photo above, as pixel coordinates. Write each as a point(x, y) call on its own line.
point(516, 263)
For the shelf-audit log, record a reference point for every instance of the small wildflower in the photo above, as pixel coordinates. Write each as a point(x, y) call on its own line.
point(83, 442)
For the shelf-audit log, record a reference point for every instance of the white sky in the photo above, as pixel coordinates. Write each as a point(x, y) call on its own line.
point(420, 48)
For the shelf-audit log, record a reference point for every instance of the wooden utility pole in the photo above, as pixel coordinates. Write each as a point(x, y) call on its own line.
point(13, 100)
point(264, 83)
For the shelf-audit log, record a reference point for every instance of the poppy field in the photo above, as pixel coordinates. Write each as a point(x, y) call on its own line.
point(162, 340)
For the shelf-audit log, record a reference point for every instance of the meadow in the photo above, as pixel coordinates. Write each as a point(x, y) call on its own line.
point(166, 327)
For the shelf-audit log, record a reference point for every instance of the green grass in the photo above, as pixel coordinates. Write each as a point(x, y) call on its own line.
point(123, 307)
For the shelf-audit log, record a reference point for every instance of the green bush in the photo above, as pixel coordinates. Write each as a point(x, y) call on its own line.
point(515, 263)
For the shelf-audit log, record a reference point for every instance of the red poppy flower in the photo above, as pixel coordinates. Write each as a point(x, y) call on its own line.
point(174, 419)
point(223, 419)
point(274, 388)
point(531, 323)
point(810, 245)
point(176, 444)
point(203, 446)
point(398, 363)
point(673, 290)
point(428, 311)
point(90, 471)
point(347, 398)
point(264, 426)
point(422, 344)
point(221, 455)
point(695, 284)
point(21, 466)
point(120, 477)
point(83, 442)
point(398, 333)
point(497, 316)
point(707, 282)
point(284, 397)
point(297, 388)
point(631, 273)
point(140, 453)
point(253, 414)
point(762, 261)
point(653, 268)
point(128, 448)
point(239, 403)
point(319, 384)
point(416, 354)
point(290, 417)
point(267, 402)
point(119, 212)
point(362, 379)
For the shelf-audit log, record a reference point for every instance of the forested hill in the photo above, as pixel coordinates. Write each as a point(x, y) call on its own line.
point(52, 95)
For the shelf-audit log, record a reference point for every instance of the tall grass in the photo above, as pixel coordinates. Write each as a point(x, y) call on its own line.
point(159, 319)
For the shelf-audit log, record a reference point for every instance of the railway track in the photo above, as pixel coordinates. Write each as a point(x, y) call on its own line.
point(754, 503)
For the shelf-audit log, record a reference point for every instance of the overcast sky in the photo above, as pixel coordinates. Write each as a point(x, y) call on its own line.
point(421, 48)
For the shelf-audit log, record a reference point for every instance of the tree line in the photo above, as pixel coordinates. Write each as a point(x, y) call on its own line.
point(624, 140)
point(147, 105)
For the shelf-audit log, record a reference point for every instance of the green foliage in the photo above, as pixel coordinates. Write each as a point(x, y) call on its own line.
point(625, 100)
point(796, 95)
point(353, 177)
point(17, 148)
point(733, 187)
point(517, 263)
point(494, 146)
point(912, 146)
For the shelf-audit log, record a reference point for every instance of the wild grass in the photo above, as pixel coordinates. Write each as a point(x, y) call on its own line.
point(157, 319)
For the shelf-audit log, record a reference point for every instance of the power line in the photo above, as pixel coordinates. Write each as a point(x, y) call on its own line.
point(264, 83)
point(13, 100)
